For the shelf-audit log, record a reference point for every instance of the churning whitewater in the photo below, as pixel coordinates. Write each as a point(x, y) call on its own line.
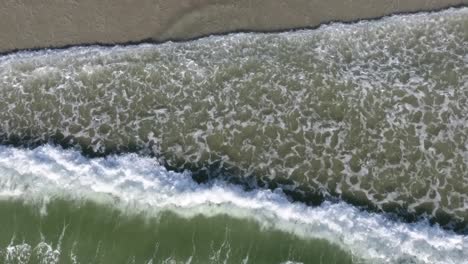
point(136, 184)
point(373, 113)
point(343, 144)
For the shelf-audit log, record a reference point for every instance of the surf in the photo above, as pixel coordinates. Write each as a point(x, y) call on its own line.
point(138, 185)
point(372, 113)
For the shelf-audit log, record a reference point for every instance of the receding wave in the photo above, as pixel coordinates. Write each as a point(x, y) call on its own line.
point(47, 177)
point(373, 112)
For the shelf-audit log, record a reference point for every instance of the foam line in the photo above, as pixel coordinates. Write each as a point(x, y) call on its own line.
point(141, 182)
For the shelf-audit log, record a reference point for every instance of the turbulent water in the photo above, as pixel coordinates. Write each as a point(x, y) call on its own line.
point(87, 209)
point(372, 114)
point(130, 210)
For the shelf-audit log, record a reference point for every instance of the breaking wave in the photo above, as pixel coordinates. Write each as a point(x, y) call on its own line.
point(134, 184)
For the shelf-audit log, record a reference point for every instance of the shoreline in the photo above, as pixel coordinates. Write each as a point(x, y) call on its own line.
point(186, 26)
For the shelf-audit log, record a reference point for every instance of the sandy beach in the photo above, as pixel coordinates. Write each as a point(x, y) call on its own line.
point(57, 23)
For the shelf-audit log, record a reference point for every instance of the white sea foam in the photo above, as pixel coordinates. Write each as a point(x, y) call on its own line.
point(373, 111)
point(141, 182)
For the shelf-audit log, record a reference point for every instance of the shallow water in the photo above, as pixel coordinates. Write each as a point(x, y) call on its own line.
point(371, 114)
point(122, 207)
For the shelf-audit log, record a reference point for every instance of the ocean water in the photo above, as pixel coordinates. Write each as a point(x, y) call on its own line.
point(343, 144)
point(62, 207)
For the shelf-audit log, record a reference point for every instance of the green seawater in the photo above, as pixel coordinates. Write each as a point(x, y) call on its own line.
point(86, 232)
point(59, 206)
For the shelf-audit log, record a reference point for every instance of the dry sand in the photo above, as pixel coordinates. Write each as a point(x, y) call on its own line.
point(26, 24)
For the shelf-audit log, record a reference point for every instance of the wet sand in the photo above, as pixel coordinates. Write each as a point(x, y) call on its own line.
point(32, 24)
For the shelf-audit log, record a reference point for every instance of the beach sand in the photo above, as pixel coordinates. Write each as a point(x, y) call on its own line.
point(32, 24)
